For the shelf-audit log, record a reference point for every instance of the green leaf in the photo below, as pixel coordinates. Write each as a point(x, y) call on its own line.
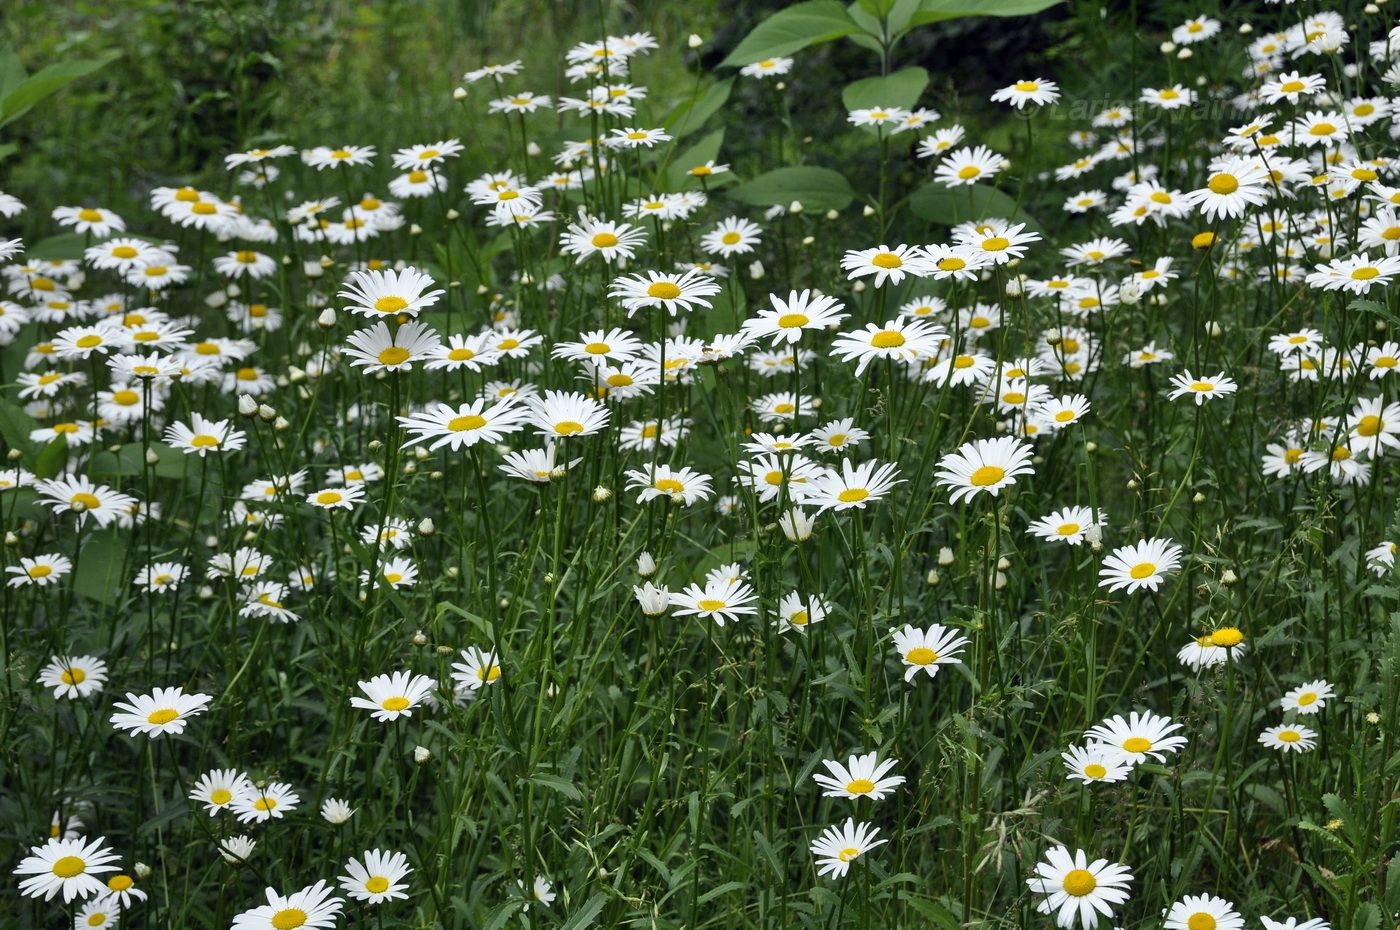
point(51, 458)
point(7, 149)
point(46, 82)
point(62, 246)
point(131, 458)
point(692, 114)
point(1368, 917)
point(901, 89)
point(793, 29)
point(952, 205)
point(934, 11)
point(15, 426)
point(559, 784)
point(12, 71)
point(585, 915)
point(100, 570)
point(817, 188)
point(707, 149)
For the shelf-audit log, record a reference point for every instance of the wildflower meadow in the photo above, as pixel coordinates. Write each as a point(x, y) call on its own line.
point(640, 493)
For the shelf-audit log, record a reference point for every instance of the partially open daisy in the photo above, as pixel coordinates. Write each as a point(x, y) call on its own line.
point(924, 650)
point(1095, 763)
point(478, 668)
point(1139, 737)
point(1075, 887)
point(394, 695)
point(864, 776)
point(268, 802)
point(984, 466)
point(165, 710)
point(1069, 525)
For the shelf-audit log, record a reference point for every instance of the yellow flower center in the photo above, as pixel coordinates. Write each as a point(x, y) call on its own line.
point(799, 619)
point(1387, 361)
point(669, 485)
point(1369, 426)
point(1292, 87)
point(265, 803)
point(162, 716)
point(1365, 274)
point(886, 260)
point(125, 398)
point(730, 238)
point(69, 866)
point(1322, 129)
point(90, 501)
point(395, 703)
point(951, 263)
point(1223, 184)
point(1226, 636)
point(124, 251)
point(70, 676)
point(1202, 386)
point(710, 604)
point(987, 475)
point(42, 571)
point(394, 355)
point(220, 796)
point(887, 339)
point(119, 883)
point(852, 495)
point(664, 290)
point(1137, 744)
point(860, 786)
point(568, 427)
point(377, 885)
point(968, 172)
point(1079, 882)
point(604, 240)
point(996, 244)
point(1068, 529)
point(921, 655)
point(90, 215)
point(390, 304)
point(289, 919)
point(89, 341)
point(204, 441)
point(329, 497)
point(467, 422)
point(847, 854)
point(1307, 699)
point(1026, 87)
point(1094, 770)
point(1168, 94)
point(1290, 736)
point(1142, 570)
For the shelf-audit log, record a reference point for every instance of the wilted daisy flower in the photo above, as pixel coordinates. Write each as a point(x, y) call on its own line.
point(67, 867)
point(839, 846)
point(1196, 911)
point(394, 695)
point(314, 908)
point(1095, 763)
point(42, 570)
point(1139, 736)
point(336, 811)
point(74, 677)
point(861, 777)
point(984, 465)
point(477, 669)
point(925, 650)
point(218, 789)
point(269, 802)
point(1075, 887)
point(165, 710)
point(376, 877)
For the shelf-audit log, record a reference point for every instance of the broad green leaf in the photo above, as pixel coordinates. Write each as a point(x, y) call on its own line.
point(585, 915)
point(952, 205)
point(791, 30)
point(99, 576)
point(48, 81)
point(816, 188)
point(559, 784)
point(933, 11)
point(131, 458)
point(901, 89)
point(7, 149)
point(707, 149)
point(692, 115)
point(16, 425)
point(51, 458)
point(12, 71)
point(62, 246)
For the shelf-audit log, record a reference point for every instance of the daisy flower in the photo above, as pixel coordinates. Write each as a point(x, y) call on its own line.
point(788, 318)
point(767, 67)
point(1094, 763)
point(165, 710)
point(323, 157)
point(984, 465)
point(1039, 91)
point(203, 436)
point(1075, 887)
point(590, 236)
point(96, 220)
point(394, 695)
point(559, 413)
point(885, 263)
point(477, 669)
point(1290, 738)
point(312, 908)
point(386, 293)
point(1138, 737)
point(900, 339)
point(375, 349)
point(1203, 389)
point(853, 485)
point(67, 867)
point(74, 677)
point(721, 600)
point(679, 485)
point(925, 650)
point(839, 846)
point(1309, 697)
point(270, 802)
point(1064, 411)
point(376, 877)
point(218, 789)
point(1235, 185)
point(343, 498)
point(966, 166)
point(1356, 274)
point(1195, 912)
point(838, 435)
point(861, 777)
point(798, 612)
point(671, 292)
point(1068, 525)
point(42, 570)
point(732, 236)
point(1140, 565)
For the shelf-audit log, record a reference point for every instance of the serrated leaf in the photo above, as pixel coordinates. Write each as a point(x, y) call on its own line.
point(793, 29)
point(816, 188)
point(952, 205)
point(901, 89)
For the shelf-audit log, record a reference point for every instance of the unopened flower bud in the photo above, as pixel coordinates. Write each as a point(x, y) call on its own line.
point(1198, 498)
point(933, 577)
point(646, 565)
point(420, 638)
point(946, 557)
point(11, 539)
point(415, 230)
point(756, 271)
point(601, 494)
point(247, 405)
point(267, 413)
point(142, 870)
point(327, 318)
point(1228, 577)
point(426, 527)
point(694, 41)
point(532, 149)
point(421, 754)
point(1213, 329)
point(868, 211)
point(1168, 47)
point(1184, 54)
point(459, 93)
point(151, 457)
point(453, 215)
